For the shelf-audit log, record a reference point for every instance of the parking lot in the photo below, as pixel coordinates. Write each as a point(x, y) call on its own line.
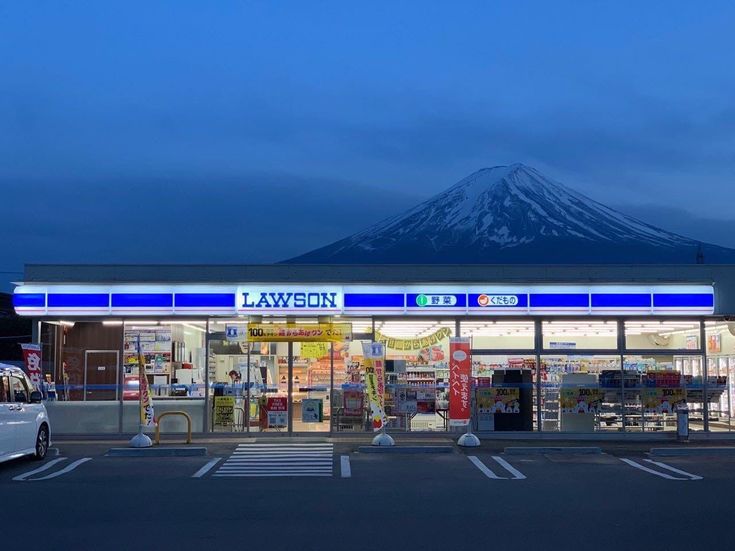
point(329, 495)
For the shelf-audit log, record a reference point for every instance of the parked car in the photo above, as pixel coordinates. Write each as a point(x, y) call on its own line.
point(24, 424)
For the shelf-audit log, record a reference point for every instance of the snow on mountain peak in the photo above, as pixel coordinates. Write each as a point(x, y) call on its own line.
point(512, 212)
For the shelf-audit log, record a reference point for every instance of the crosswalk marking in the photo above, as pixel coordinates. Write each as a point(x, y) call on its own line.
point(278, 459)
point(45, 467)
point(204, 470)
point(70, 467)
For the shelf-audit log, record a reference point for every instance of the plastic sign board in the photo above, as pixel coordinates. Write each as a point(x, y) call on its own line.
point(299, 332)
point(390, 300)
point(460, 366)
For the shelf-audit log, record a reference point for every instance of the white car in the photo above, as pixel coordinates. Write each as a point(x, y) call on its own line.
point(24, 425)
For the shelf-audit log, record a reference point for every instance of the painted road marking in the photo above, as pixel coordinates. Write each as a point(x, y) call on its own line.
point(517, 475)
point(637, 465)
point(483, 469)
point(204, 470)
point(45, 467)
point(70, 467)
point(674, 469)
point(266, 460)
point(345, 466)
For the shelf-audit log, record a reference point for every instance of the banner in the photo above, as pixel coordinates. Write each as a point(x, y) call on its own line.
point(32, 359)
point(375, 388)
point(147, 416)
point(662, 400)
point(498, 400)
point(299, 332)
point(460, 367)
point(581, 399)
point(277, 411)
point(413, 344)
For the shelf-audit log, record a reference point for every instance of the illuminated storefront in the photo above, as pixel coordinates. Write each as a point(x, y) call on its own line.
point(552, 348)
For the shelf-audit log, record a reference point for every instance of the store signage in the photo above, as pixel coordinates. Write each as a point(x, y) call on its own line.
point(278, 299)
point(498, 400)
point(497, 300)
point(277, 411)
point(282, 300)
point(375, 398)
point(32, 359)
point(581, 399)
point(235, 333)
point(662, 400)
point(311, 410)
point(460, 365)
point(224, 410)
point(299, 332)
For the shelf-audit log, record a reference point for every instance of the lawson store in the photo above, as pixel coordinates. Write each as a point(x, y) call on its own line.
point(279, 348)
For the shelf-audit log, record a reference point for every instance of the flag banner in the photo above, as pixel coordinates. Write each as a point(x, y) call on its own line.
point(32, 359)
point(147, 417)
point(460, 366)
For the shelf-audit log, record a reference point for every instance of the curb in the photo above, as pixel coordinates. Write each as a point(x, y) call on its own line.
point(681, 452)
point(530, 450)
point(156, 452)
point(405, 449)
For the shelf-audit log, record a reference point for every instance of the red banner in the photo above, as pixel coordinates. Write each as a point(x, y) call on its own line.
point(32, 359)
point(460, 368)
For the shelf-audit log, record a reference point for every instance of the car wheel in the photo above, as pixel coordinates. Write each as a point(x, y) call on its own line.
point(41, 443)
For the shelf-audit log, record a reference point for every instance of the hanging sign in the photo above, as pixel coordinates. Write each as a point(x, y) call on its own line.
point(413, 344)
point(314, 350)
point(460, 364)
point(32, 359)
point(299, 332)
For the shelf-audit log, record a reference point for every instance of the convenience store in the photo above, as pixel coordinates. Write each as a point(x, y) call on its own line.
point(573, 349)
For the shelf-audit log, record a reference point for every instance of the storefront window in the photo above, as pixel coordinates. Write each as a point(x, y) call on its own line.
point(505, 392)
point(662, 335)
point(581, 393)
point(417, 371)
point(720, 337)
point(499, 335)
point(580, 334)
point(659, 384)
point(174, 360)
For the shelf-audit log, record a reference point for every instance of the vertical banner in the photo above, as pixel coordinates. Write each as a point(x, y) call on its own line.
point(147, 418)
point(32, 359)
point(460, 367)
point(374, 354)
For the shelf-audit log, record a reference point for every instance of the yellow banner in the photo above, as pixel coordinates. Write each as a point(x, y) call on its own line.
point(581, 399)
point(414, 344)
point(662, 400)
point(224, 410)
point(299, 332)
point(498, 400)
point(373, 389)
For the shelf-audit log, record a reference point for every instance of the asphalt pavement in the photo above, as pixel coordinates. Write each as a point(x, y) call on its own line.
point(321, 494)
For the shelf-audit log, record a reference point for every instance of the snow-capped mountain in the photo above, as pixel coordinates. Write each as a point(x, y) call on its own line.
point(514, 214)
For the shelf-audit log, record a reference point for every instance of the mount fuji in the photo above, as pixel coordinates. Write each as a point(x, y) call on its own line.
point(514, 215)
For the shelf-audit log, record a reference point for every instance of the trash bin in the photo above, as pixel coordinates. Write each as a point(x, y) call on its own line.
point(682, 423)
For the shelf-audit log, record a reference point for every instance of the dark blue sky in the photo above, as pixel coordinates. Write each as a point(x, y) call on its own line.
point(253, 131)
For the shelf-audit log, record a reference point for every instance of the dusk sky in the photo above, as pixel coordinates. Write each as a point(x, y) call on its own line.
point(239, 132)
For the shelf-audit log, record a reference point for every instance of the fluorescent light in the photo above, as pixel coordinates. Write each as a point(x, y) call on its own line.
point(112, 322)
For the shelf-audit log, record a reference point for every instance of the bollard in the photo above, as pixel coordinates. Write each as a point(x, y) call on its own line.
point(682, 423)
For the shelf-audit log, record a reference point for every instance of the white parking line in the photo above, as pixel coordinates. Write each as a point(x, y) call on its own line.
point(45, 467)
point(204, 470)
point(517, 475)
point(70, 467)
point(480, 465)
point(345, 466)
point(663, 466)
point(673, 469)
